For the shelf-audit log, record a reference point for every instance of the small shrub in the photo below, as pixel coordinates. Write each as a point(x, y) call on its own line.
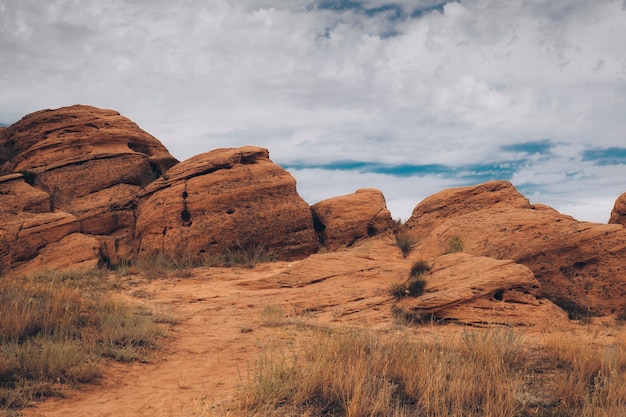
point(398, 290)
point(404, 241)
point(419, 268)
point(454, 245)
point(415, 287)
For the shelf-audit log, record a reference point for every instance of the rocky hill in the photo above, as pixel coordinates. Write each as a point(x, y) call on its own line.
point(82, 187)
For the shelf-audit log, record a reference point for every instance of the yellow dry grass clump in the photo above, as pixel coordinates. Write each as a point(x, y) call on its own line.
point(479, 372)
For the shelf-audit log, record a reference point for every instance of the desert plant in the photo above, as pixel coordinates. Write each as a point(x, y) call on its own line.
point(419, 268)
point(415, 287)
point(454, 245)
point(415, 284)
point(404, 241)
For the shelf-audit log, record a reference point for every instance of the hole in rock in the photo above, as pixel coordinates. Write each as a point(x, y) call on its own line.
point(185, 195)
point(185, 215)
point(230, 211)
point(498, 295)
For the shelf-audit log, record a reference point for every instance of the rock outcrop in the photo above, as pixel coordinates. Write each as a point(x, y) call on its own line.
point(225, 199)
point(580, 265)
point(475, 290)
point(73, 170)
point(343, 221)
point(618, 214)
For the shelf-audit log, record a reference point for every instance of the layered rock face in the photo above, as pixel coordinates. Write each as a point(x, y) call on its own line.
point(225, 199)
point(477, 289)
point(618, 214)
point(80, 170)
point(343, 221)
point(578, 264)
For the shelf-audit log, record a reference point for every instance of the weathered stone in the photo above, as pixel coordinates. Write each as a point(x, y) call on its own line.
point(73, 252)
point(345, 220)
point(578, 264)
point(224, 199)
point(618, 214)
point(105, 211)
point(80, 167)
point(17, 196)
point(474, 290)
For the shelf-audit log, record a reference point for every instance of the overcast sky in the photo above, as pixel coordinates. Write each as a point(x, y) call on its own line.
point(407, 96)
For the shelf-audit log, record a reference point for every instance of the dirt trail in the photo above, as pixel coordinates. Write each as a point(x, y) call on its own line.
point(221, 331)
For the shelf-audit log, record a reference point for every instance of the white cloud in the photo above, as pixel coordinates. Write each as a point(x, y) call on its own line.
point(449, 86)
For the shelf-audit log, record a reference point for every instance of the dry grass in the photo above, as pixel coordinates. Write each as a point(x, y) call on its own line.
point(355, 373)
point(55, 328)
point(478, 373)
point(454, 245)
point(404, 241)
point(158, 264)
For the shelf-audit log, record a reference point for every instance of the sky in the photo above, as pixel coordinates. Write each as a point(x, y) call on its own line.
point(407, 96)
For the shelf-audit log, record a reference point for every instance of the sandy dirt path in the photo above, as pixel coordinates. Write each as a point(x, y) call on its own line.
point(207, 355)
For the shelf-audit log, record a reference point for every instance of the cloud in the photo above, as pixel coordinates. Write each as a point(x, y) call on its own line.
point(469, 89)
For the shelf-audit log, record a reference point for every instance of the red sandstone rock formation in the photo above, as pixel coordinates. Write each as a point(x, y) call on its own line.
point(345, 220)
point(618, 214)
point(579, 264)
point(81, 168)
point(224, 199)
point(473, 290)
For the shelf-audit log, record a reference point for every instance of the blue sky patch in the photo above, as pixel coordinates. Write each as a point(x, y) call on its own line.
point(605, 156)
point(393, 11)
point(340, 5)
point(471, 173)
point(417, 13)
point(530, 147)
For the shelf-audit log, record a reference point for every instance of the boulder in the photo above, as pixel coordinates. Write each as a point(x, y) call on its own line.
point(345, 220)
point(74, 151)
point(580, 265)
point(618, 214)
point(73, 170)
point(17, 196)
point(74, 252)
point(224, 199)
point(475, 290)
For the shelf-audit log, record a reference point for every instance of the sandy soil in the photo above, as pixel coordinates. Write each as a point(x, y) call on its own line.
point(221, 329)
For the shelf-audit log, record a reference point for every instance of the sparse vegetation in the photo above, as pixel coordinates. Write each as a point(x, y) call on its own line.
point(242, 255)
point(272, 315)
point(404, 241)
point(157, 264)
point(419, 268)
point(54, 328)
point(415, 284)
point(454, 245)
point(481, 373)
point(354, 373)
